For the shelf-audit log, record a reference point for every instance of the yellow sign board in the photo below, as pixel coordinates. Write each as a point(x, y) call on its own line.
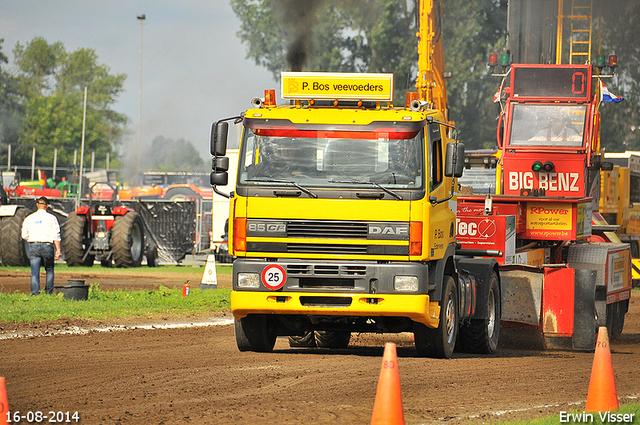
point(340, 86)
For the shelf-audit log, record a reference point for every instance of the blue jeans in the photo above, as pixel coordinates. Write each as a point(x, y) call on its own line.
point(41, 254)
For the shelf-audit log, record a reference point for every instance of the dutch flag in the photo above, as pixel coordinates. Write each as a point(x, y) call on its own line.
point(607, 96)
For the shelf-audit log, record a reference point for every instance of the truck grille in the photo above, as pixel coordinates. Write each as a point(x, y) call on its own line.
point(327, 229)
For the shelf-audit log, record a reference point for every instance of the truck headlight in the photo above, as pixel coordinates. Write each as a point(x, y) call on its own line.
point(248, 280)
point(405, 283)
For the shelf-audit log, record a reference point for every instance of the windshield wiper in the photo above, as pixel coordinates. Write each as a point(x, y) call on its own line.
point(304, 189)
point(390, 192)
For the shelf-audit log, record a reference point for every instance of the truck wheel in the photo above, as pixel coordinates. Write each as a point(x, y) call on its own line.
point(332, 339)
point(127, 237)
point(480, 336)
point(255, 333)
point(76, 242)
point(14, 250)
point(308, 340)
point(440, 342)
point(615, 318)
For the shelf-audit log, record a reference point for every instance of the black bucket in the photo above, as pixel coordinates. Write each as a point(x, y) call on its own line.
point(75, 290)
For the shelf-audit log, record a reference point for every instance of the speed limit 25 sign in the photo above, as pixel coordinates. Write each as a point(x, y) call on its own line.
point(274, 276)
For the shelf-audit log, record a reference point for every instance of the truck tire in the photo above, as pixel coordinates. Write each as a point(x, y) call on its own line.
point(14, 250)
point(480, 336)
point(255, 333)
point(332, 339)
point(441, 341)
point(127, 240)
point(76, 242)
point(615, 318)
point(308, 340)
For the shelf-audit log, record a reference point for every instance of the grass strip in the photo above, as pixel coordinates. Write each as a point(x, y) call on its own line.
point(101, 305)
point(627, 413)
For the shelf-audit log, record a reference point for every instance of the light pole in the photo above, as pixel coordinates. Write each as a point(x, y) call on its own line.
point(141, 18)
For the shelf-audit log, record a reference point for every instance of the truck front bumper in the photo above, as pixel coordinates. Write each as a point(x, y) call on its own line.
point(417, 307)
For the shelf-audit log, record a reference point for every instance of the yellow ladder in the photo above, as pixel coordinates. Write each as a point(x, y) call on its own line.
point(580, 36)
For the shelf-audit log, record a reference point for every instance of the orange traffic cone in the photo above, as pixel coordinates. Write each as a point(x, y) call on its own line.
point(602, 396)
point(4, 402)
point(387, 409)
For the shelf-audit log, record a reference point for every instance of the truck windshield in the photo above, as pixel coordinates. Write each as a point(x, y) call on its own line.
point(316, 158)
point(548, 125)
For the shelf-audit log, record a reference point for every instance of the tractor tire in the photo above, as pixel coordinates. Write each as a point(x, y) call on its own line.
point(181, 194)
point(307, 340)
point(441, 341)
point(152, 255)
point(76, 242)
point(14, 250)
point(127, 240)
point(332, 339)
point(480, 336)
point(256, 333)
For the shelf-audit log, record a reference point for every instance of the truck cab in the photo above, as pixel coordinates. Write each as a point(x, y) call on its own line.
point(343, 220)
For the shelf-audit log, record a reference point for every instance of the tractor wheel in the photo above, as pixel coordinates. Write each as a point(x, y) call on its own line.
point(441, 341)
point(307, 340)
point(127, 240)
point(13, 249)
point(152, 255)
point(181, 194)
point(480, 336)
point(332, 339)
point(76, 241)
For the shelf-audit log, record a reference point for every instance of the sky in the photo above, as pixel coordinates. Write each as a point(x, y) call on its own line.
point(194, 66)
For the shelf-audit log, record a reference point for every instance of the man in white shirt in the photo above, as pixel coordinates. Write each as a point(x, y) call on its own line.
point(42, 231)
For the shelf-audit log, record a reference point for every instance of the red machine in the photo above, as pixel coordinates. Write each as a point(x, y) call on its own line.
point(564, 272)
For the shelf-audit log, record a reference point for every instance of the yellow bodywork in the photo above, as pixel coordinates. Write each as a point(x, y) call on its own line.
point(416, 307)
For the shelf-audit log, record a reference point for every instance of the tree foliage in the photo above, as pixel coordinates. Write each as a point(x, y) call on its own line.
point(169, 155)
point(50, 84)
point(620, 29)
point(380, 36)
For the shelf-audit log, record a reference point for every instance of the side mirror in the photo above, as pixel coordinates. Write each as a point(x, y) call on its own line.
point(454, 160)
point(219, 179)
point(219, 168)
point(219, 133)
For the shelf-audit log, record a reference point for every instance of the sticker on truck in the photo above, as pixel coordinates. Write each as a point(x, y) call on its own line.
point(274, 277)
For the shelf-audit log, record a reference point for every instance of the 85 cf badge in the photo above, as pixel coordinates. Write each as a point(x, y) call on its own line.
point(274, 277)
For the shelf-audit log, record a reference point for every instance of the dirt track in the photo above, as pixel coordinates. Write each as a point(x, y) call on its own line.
point(196, 375)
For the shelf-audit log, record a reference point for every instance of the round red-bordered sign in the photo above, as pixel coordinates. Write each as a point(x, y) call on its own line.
point(274, 276)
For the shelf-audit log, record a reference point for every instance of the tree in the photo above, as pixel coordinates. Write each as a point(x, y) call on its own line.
point(10, 108)
point(620, 30)
point(169, 155)
point(380, 36)
point(51, 85)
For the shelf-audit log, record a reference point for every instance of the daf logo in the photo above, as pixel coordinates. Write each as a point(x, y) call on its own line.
point(389, 231)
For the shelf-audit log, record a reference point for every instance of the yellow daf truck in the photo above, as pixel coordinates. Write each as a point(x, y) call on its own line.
point(343, 220)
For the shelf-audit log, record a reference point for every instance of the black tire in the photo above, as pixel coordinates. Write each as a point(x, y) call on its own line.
point(76, 242)
point(14, 250)
point(152, 255)
point(332, 339)
point(127, 239)
point(307, 340)
point(255, 333)
point(480, 336)
point(181, 194)
point(441, 341)
point(615, 319)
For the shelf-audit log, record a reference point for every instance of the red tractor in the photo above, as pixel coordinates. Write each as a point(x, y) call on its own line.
point(106, 232)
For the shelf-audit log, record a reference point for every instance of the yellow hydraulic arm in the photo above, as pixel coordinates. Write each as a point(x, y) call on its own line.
point(430, 83)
